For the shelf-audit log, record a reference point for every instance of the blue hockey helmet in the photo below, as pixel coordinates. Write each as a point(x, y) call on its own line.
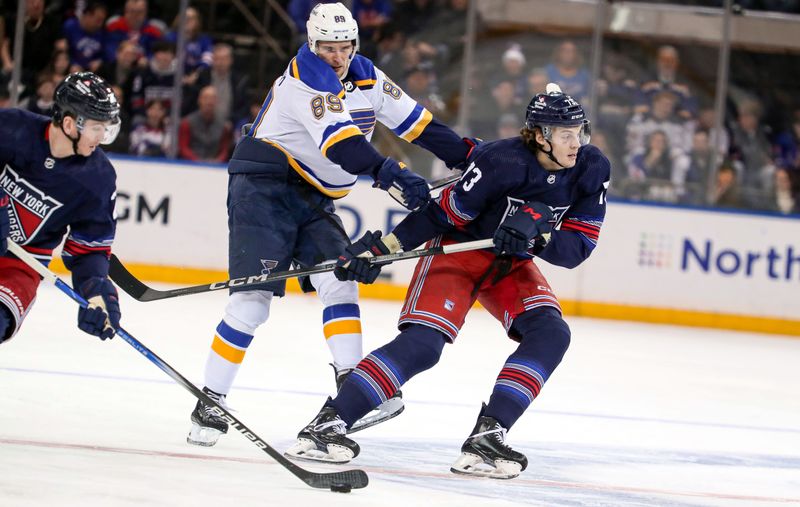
point(556, 109)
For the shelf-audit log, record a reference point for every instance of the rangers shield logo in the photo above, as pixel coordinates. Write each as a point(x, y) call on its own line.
point(29, 208)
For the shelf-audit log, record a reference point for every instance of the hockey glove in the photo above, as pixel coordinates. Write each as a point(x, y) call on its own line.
point(101, 317)
point(407, 188)
point(4, 223)
point(353, 263)
point(517, 231)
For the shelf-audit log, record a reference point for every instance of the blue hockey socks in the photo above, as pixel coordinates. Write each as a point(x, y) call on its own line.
point(379, 375)
point(545, 339)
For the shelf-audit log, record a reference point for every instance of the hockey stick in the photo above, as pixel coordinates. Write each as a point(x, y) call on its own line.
point(355, 478)
point(141, 292)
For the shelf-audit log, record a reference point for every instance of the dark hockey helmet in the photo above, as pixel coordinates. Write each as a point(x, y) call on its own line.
point(556, 109)
point(86, 96)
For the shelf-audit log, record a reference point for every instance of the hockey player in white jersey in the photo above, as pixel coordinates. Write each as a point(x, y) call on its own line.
point(307, 146)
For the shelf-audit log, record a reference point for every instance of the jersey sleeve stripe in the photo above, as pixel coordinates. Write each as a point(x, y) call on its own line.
point(293, 70)
point(344, 132)
point(447, 201)
point(412, 127)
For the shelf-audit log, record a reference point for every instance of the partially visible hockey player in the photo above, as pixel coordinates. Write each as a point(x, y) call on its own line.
point(542, 194)
point(55, 181)
point(306, 148)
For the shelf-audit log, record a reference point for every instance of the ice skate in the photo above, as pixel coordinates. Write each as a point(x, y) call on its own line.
point(207, 427)
point(324, 439)
point(485, 453)
point(389, 409)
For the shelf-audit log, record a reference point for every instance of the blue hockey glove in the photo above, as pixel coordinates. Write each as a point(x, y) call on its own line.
point(412, 189)
point(350, 266)
point(517, 231)
point(101, 317)
point(4, 223)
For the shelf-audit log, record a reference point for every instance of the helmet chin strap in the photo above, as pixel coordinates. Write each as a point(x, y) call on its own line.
point(75, 140)
point(550, 154)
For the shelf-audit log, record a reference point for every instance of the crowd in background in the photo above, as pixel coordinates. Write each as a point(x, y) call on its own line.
point(651, 121)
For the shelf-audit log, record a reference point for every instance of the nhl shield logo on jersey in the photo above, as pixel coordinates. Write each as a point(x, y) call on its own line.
point(29, 208)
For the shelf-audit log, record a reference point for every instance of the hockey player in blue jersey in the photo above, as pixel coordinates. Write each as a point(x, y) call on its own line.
point(306, 147)
point(541, 195)
point(55, 181)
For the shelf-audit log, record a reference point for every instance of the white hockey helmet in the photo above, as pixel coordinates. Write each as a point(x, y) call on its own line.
point(331, 23)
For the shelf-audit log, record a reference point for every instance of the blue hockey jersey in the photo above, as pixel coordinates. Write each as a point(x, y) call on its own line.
point(500, 177)
point(53, 197)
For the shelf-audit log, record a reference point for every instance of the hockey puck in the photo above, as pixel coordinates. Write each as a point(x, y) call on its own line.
point(341, 487)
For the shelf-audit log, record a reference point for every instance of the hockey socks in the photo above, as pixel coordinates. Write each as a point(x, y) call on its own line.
point(379, 375)
point(225, 358)
point(545, 338)
point(341, 325)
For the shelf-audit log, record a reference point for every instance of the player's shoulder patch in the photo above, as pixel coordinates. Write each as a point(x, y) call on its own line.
point(362, 73)
point(314, 73)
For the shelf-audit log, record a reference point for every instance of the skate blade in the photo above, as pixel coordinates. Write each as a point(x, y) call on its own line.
point(470, 464)
point(306, 450)
point(203, 436)
point(389, 409)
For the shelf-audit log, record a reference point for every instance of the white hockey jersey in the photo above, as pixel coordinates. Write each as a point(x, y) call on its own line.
point(309, 109)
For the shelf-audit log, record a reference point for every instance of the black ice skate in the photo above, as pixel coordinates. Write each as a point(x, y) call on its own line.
point(324, 439)
point(485, 453)
point(389, 409)
point(207, 427)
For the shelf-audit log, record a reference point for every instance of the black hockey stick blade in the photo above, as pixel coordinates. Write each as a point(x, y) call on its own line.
point(141, 292)
point(355, 478)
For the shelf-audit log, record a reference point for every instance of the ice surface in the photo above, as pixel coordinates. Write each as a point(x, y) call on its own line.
point(635, 415)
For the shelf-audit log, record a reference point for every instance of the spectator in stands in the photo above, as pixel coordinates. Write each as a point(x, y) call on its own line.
point(371, 15)
point(698, 175)
point(416, 15)
point(660, 117)
point(537, 81)
point(198, 46)
point(154, 82)
point(420, 84)
point(568, 72)
point(391, 41)
point(785, 198)
point(133, 26)
point(121, 69)
point(42, 101)
point(726, 189)
point(41, 37)
point(204, 136)
point(507, 126)
point(86, 37)
point(787, 145)
point(705, 121)
point(243, 124)
point(616, 97)
point(666, 80)
point(59, 64)
point(513, 70)
point(151, 138)
point(751, 147)
point(657, 168)
point(231, 86)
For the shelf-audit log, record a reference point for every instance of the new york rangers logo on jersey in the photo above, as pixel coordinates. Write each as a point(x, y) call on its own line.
point(29, 208)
